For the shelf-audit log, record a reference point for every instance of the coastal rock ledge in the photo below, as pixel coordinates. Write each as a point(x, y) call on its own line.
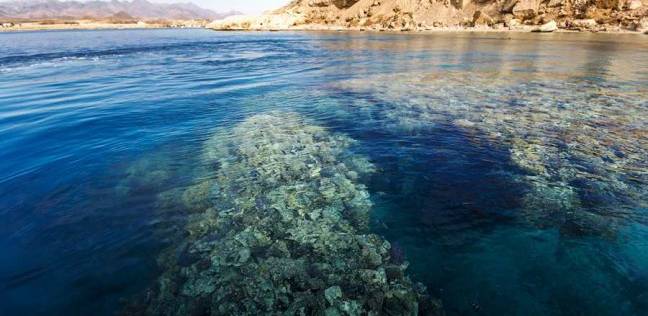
point(420, 15)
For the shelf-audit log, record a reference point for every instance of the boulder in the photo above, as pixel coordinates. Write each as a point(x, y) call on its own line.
point(459, 4)
point(506, 18)
point(525, 9)
point(634, 4)
point(343, 4)
point(547, 27)
point(340, 4)
point(642, 25)
point(584, 23)
point(513, 23)
point(607, 4)
point(481, 18)
point(507, 6)
point(319, 3)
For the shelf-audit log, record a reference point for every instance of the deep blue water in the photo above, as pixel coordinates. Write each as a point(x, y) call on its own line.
point(512, 168)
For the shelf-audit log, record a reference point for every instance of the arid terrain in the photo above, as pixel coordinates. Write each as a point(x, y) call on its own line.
point(96, 24)
point(420, 15)
point(53, 14)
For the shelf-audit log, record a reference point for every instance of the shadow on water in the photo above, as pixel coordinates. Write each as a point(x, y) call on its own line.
point(89, 264)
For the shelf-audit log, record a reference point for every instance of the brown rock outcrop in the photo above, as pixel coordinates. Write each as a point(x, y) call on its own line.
point(411, 15)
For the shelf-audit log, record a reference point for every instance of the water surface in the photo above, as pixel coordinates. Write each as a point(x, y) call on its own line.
point(511, 169)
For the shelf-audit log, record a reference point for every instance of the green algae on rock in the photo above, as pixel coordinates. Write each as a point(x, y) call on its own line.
point(285, 233)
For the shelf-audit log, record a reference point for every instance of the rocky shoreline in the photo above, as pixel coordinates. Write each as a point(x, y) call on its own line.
point(610, 16)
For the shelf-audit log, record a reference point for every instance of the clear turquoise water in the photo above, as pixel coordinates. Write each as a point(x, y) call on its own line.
point(511, 168)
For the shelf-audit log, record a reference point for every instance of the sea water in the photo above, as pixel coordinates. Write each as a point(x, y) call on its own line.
point(507, 171)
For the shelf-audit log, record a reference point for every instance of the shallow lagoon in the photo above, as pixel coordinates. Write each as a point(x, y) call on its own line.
point(509, 170)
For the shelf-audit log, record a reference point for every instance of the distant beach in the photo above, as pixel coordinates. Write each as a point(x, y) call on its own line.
point(44, 25)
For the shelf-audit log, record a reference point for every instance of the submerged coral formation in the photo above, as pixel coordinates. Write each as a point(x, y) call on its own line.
point(150, 172)
point(284, 231)
point(580, 155)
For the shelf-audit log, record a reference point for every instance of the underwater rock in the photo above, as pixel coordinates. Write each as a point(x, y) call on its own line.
point(195, 198)
point(280, 238)
point(332, 294)
point(548, 204)
point(148, 173)
point(584, 223)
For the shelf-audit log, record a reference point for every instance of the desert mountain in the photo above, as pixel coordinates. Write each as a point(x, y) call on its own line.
point(56, 9)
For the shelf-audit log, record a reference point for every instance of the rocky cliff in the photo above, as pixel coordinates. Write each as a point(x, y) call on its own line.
point(406, 15)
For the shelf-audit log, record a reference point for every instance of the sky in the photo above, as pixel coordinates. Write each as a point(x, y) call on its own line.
point(245, 6)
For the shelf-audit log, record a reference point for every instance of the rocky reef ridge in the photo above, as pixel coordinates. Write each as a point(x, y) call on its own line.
point(420, 15)
point(582, 164)
point(281, 229)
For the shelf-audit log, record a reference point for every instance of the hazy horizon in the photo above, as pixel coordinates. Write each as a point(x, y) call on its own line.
point(245, 6)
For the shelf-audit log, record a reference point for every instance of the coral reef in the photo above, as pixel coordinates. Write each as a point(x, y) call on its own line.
point(580, 155)
point(283, 230)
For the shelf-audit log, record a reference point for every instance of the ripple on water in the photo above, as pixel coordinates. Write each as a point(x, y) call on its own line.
point(509, 169)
